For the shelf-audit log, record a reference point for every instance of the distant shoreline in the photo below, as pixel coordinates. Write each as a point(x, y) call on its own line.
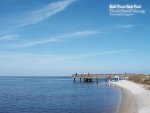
point(135, 99)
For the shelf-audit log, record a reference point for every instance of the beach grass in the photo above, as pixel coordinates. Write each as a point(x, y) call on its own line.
point(140, 78)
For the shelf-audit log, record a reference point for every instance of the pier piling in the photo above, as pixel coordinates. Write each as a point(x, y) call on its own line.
point(96, 79)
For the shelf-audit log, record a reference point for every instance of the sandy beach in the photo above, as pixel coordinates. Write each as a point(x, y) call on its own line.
point(135, 97)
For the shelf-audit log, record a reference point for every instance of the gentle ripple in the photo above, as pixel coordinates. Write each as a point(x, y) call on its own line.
point(56, 95)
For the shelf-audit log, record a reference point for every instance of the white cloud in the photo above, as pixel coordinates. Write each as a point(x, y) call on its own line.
point(117, 51)
point(106, 52)
point(43, 13)
point(36, 64)
point(84, 33)
point(8, 37)
point(28, 43)
point(33, 17)
point(49, 58)
point(126, 26)
point(30, 58)
point(79, 34)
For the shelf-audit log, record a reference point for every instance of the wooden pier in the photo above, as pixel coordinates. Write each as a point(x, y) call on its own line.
point(89, 77)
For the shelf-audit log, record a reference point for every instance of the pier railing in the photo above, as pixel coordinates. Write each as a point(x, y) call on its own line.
point(100, 75)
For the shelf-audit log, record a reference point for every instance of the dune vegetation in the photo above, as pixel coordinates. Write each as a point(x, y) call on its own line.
point(140, 78)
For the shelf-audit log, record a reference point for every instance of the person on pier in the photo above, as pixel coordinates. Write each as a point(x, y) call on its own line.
point(108, 78)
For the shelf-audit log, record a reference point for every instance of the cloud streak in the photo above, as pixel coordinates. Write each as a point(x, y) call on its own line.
point(80, 34)
point(34, 17)
point(30, 58)
point(106, 52)
point(29, 43)
point(8, 37)
point(49, 58)
point(43, 13)
point(127, 26)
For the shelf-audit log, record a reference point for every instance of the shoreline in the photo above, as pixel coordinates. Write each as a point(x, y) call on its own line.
point(135, 99)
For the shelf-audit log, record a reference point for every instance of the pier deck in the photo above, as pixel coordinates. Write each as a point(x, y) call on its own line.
point(89, 77)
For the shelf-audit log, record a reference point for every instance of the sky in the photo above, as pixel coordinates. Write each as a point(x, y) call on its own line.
point(63, 37)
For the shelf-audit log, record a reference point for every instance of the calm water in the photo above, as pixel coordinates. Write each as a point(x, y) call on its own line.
point(56, 95)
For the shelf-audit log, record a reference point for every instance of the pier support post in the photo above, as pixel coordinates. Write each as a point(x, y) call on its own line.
point(80, 79)
point(74, 79)
point(84, 79)
point(96, 79)
point(88, 79)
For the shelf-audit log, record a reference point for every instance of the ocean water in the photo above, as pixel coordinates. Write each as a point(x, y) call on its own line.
point(57, 95)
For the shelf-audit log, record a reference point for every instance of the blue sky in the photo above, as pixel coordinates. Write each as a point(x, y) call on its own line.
point(61, 37)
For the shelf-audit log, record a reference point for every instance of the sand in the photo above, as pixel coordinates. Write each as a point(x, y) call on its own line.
point(135, 97)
